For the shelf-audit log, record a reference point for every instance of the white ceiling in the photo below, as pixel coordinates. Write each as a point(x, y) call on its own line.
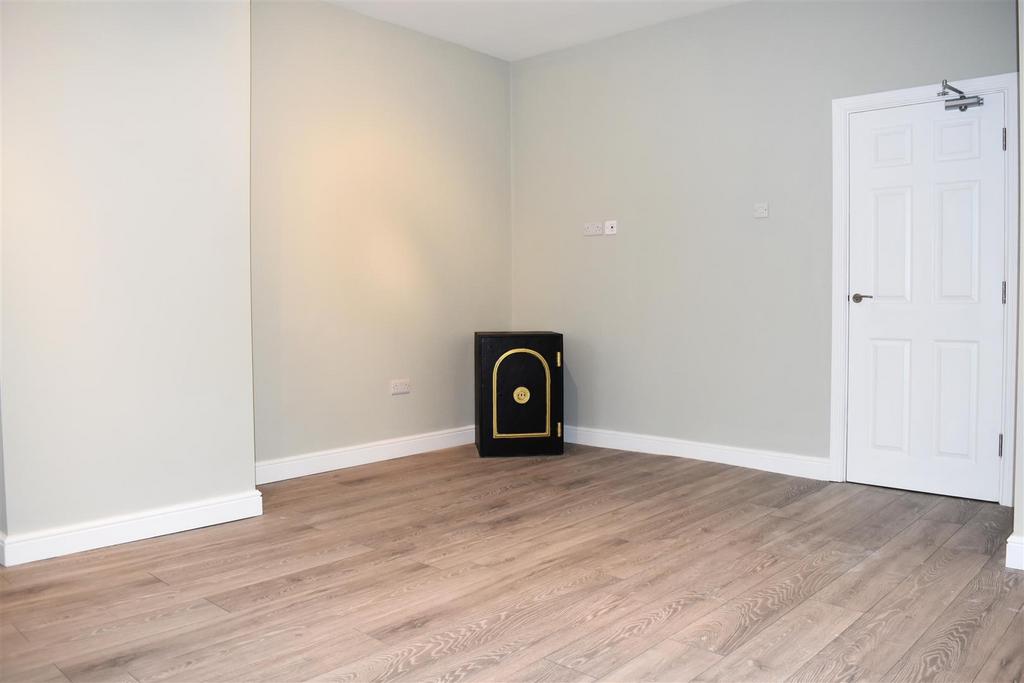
point(517, 29)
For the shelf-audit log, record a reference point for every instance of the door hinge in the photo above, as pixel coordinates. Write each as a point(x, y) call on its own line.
point(1000, 445)
point(558, 354)
point(1004, 139)
point(1004, 291)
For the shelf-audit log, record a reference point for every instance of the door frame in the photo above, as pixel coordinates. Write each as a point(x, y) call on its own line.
point(842, 109)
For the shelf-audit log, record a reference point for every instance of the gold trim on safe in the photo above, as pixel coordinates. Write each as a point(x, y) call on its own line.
point(494, 397)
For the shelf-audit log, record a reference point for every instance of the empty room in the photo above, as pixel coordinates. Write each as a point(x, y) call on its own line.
point(511, 341)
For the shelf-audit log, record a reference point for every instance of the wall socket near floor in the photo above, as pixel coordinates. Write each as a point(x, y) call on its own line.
point(401, 386)
point(611, 227)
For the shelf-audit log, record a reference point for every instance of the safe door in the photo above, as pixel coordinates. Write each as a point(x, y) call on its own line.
point(519, 393)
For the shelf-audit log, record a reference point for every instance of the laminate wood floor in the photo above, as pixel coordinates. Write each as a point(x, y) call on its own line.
point(596, 566)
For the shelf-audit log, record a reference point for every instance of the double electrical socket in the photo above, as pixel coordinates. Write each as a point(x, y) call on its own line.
point(606, 228)
point(401, 386)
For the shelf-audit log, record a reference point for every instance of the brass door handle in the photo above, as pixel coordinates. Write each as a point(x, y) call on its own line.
point(857, 298)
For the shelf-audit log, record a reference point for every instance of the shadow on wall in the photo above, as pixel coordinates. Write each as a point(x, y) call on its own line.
point(570, 394)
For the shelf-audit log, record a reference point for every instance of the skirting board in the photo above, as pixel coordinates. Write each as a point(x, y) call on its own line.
point(361, 454)
point(769, 461)
point(39, 545)
point(1015, 552)
point(351, 456)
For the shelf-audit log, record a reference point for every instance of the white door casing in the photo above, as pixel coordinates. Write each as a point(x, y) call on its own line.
point(928, 211)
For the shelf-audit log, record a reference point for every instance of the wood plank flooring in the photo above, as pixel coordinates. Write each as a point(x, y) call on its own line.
point(596, 566)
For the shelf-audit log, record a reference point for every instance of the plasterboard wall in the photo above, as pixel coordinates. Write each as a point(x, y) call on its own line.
point(697, 321)
point(380, 226)
point(126, 356)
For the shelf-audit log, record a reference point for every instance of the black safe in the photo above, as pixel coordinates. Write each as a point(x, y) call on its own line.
point(518, 387)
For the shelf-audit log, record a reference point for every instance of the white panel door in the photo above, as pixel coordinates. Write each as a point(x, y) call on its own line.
point(927, 246)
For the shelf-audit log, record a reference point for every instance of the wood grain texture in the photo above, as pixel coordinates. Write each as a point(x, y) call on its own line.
point(985, 532)
point(604, 650)
point(782, 648)
point(871, 580)
point(543, 671)
point(1006, 663)
point(667, 662)
point(742, 618)
point(956, 510)
point(838, 522)
point(506, 657)
point(599, 565)
point(957, 644)
point(877, 529)
point(877, 640)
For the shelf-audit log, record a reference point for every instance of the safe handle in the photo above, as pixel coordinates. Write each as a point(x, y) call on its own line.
point(857, 298)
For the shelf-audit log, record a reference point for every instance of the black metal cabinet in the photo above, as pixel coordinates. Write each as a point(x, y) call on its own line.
point(518, 391)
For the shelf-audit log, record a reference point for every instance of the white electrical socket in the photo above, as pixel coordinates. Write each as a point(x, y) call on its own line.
point(761, 210)
point(592, 229)
point(611, 227)
point(401, 386)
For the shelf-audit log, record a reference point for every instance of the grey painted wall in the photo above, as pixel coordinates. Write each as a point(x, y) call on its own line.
point(697, 321)
point(380, 225)
point(126, 349)
point(3, 482)
point(3, 485)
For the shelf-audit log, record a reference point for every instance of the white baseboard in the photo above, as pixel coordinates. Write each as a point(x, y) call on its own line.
point(39, 545)
point(361, 454)
point(1015, 552)
point(770, 461)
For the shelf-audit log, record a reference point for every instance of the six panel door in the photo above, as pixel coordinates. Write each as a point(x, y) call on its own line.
point(927, 252)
